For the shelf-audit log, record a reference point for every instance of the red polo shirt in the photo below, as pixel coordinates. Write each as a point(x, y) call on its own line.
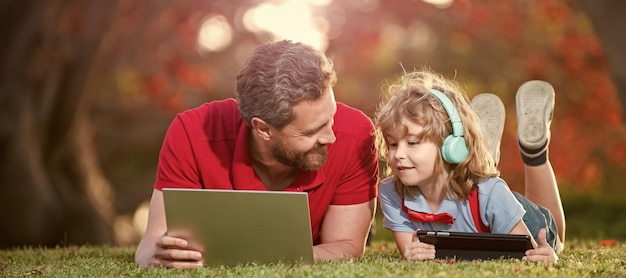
point(207, 147)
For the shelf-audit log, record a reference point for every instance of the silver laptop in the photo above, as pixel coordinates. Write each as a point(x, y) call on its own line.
point(235, 227)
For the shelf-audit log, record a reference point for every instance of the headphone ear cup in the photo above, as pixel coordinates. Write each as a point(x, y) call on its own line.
point(454, 149)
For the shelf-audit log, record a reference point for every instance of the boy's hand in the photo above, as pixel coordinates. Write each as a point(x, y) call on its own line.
point(543, 252)
point(419, 251)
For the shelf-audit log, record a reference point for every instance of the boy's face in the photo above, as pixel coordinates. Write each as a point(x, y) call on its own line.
point(412, 159)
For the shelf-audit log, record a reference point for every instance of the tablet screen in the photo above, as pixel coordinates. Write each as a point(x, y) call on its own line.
point(475, 246)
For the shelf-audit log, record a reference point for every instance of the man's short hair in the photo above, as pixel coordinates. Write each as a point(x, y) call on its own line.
point(278, 76)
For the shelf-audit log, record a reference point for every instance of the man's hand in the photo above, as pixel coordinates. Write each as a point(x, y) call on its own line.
point(543, 252)
point(158, 248)
point(173, 252)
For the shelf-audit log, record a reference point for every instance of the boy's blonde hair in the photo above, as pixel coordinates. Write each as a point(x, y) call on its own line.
point(409, 98)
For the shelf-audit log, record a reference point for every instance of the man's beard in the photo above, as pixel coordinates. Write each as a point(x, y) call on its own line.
point(308, 161)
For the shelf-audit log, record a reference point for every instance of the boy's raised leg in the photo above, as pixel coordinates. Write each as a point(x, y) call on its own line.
point(490, 110)
point(535, 104)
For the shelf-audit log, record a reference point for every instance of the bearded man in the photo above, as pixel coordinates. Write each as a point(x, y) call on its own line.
point(283, 132)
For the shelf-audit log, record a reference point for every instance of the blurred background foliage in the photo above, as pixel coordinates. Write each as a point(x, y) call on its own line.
point(157, 58)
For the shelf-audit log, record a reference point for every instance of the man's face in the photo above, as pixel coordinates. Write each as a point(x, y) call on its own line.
point(303, 142)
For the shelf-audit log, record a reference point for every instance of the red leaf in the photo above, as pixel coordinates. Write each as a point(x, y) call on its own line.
point(608, 242)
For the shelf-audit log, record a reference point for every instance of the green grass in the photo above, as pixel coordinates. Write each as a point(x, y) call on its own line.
point(595, 216)
point(581, 258)
point(590, 221)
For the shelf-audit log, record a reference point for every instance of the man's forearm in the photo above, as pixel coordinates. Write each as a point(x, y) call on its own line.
point(338, 250)
point(143, 254)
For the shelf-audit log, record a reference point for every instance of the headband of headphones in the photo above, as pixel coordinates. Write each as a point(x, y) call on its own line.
point(455, 119)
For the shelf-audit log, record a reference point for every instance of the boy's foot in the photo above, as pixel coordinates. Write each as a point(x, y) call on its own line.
point(534, 103)
point(490, 110)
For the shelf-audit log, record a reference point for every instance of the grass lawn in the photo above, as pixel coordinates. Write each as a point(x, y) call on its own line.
point(581, 258)
point(596, 246)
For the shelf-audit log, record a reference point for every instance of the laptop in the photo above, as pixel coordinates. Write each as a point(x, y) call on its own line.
point(473, 246)
point(235, 227)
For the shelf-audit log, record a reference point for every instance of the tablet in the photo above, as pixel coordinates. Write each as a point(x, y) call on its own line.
point(476, 246)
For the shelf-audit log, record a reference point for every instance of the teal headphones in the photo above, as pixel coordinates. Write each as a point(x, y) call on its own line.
point(453, 149)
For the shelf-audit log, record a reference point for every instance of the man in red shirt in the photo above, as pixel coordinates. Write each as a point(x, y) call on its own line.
point(283, 132)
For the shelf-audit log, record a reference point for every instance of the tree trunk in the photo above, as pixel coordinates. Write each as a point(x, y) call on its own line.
point(607, 18)
point(51, 189)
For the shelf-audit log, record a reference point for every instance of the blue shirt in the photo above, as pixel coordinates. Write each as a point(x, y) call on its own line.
point(499, 209)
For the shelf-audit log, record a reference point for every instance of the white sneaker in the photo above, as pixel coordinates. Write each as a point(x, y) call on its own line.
point(534, 103)
point(490, 110)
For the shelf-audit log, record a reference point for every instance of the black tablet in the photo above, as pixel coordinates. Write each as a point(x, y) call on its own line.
point(474, 246)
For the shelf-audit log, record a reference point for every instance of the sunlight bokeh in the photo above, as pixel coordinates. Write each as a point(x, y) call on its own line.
point(292, 19)
point(418, 36)
point(215, 34)
point(440, 3)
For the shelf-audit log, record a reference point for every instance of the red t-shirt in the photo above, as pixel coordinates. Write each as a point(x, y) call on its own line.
point(206, 147)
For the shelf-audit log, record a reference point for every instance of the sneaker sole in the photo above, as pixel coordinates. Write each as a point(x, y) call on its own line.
point(534, 102)
point(490, 110)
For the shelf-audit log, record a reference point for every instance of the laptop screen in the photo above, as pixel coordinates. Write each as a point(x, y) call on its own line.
point(235, 227)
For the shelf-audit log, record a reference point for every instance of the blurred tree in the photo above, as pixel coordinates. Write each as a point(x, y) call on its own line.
point(126, 67)
point(607, 18)
point(494, 46)
point(51, 187)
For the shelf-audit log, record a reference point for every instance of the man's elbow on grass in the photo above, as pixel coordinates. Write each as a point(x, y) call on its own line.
point(140, 259)
point(338, 250)
point(143, 254)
